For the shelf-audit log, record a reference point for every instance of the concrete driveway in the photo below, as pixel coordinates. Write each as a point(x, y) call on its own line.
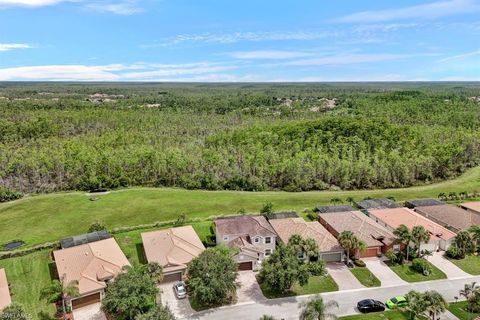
point(179, 307)
point(386, 276)
point(342, 276)
point(451, 270)
point(91, 312)
point(249, 289)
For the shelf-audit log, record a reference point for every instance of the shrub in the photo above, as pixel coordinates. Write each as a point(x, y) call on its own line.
point(313, 216)
point(453, 252)
point(421, 266)
point(9, 195)
point(97, 226)
point(316, 268)
point(267, 209)
point(359, 263)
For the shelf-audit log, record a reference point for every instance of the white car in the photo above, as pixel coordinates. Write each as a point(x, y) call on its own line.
point(180, 290)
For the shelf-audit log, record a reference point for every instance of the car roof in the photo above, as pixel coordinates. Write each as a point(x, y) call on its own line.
point(367, 301)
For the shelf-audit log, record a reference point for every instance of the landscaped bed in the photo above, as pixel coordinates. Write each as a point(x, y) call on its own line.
point(316, 284)
point(390, 315)
point(470, 264)
point(365, 277)
point(459, 310)
point(406, 272)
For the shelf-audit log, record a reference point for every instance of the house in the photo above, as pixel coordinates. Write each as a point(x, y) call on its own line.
point(329, 248)
point(449, 216)
point(173, 249)
point(474, 209)
point(378, 239)
point(440, 237)
point(377, 204)
point(5, 298)
point(252, 235)
point(93, 265)
point(423, 203)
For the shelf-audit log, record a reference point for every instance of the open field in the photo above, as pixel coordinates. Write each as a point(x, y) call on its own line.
point(38, 219)
point(366, 277)
point(405, 272)
point(470, 264)
point(459, 310)
point(316, 284)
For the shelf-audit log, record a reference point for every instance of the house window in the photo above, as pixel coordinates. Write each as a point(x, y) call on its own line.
point(396, 247)
point(268, 240)
point(225, 238)
point(257, 240)
point(268, 252)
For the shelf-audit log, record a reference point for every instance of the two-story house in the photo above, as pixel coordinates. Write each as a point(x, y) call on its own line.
point(252, 235)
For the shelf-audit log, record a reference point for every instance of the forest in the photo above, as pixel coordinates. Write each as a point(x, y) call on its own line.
point(291, 137)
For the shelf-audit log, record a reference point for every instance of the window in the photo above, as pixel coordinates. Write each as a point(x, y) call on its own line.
point(396, 247)
point(268, 240)
point(257, 240)
point(268, 252)
point(225, 238)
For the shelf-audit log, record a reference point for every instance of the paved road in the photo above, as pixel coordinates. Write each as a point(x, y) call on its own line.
point(288, 308)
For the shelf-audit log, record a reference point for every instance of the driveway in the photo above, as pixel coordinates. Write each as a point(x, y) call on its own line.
point(179, 307)
point(91, 312)
point(386, 276)
point(249, 290)
point(342, 276)
point(451, 270)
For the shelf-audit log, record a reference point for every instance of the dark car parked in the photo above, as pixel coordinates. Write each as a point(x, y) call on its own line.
point(370, 305)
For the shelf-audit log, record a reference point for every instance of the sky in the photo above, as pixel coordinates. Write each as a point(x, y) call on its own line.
point(239, 41)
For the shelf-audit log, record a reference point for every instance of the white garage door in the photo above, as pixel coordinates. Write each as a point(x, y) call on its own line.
point(331, 256)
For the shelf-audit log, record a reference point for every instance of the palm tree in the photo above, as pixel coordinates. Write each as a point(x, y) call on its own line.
point(419, 235)
point(475, 231)
point(405, 236)
point(351, 243)
point(60, 290)
point(307, 247)
point(316, 309)
point(416, 305)
point(435, 303)
point(361, 247)
point(267, 317)
point(350, 200)
point(464, 242)
point(155, 271)
point(468, 290)
point(452, 196)
point(335, 201)
point(442, 196)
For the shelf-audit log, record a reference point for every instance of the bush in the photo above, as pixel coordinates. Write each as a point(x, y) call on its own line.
point(97, 226)
point(454, 253)
point(316, 268)
point(421, 266)
point(359, 263)
point(313, 216)
point(9, 195)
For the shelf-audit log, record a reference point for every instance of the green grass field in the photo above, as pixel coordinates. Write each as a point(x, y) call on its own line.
point(38, 219)
point(365, 277)
point(470, 264)
point(405, 272)
point(459, 310)
point(390, 315)
point(316, 284)
point(27, 276)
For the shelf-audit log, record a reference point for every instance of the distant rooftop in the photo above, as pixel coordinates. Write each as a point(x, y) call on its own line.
point(423, 203)
point(283, 215)
point(331, 209)
point(377, 204)
point(84, 239)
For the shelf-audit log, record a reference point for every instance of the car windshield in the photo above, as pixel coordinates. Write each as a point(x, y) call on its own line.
point(181, 289)
point(394, 300)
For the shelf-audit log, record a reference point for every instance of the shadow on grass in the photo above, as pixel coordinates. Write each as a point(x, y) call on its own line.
point(141, 253)
point(52, 270)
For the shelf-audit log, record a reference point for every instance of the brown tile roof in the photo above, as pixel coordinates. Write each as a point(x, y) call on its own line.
point(244, 225)
point(398, 216)
point(90, 264)
point(447, 216)
point(286, 228)
point(245, 245)
point(474, 206)
point(5, 298)
point(172, 248)
point(362, 226)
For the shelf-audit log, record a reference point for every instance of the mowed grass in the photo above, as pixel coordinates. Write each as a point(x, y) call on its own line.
point(365, 277)
point(390, 315)
point(405, 272)
point(27, 276)
point(459, 309)
point(470, 264)
point(39, 219)
point(316, 284)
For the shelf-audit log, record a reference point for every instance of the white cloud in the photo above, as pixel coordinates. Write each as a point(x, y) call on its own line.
point(345, 59)
point(121, 8)
point(268, 54)
point(125, 7)
point(424, 11)
point(29, 3)
point(461, 56)
point(13, 46)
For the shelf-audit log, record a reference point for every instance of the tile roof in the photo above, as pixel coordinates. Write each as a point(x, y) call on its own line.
point(5, 298)
point(447, 215)
point(474, 206)
point(362, 226)
point(286, 228)
point(90, 264)
point(244, 225)
point(172, 248)
point(398, 216)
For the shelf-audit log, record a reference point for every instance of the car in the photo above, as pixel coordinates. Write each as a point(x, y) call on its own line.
point(370, 305)
point(396, 302)
point(180, 290)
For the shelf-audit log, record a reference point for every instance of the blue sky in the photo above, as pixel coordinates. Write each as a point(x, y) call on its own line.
point(248, 40)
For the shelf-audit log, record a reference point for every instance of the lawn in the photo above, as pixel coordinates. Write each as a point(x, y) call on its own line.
point(405, 272)
point(390, 315)
point(470, 264)
point(458, 309)
point(316, 284)
point(27, 276)
point(43, 218)
point(365, 277)
point(131, 242)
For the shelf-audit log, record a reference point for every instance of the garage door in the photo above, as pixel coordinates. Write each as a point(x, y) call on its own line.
point(370, 252)
point(85, 301)
point(331, 257)
point(242, 266)
point(173, 277)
